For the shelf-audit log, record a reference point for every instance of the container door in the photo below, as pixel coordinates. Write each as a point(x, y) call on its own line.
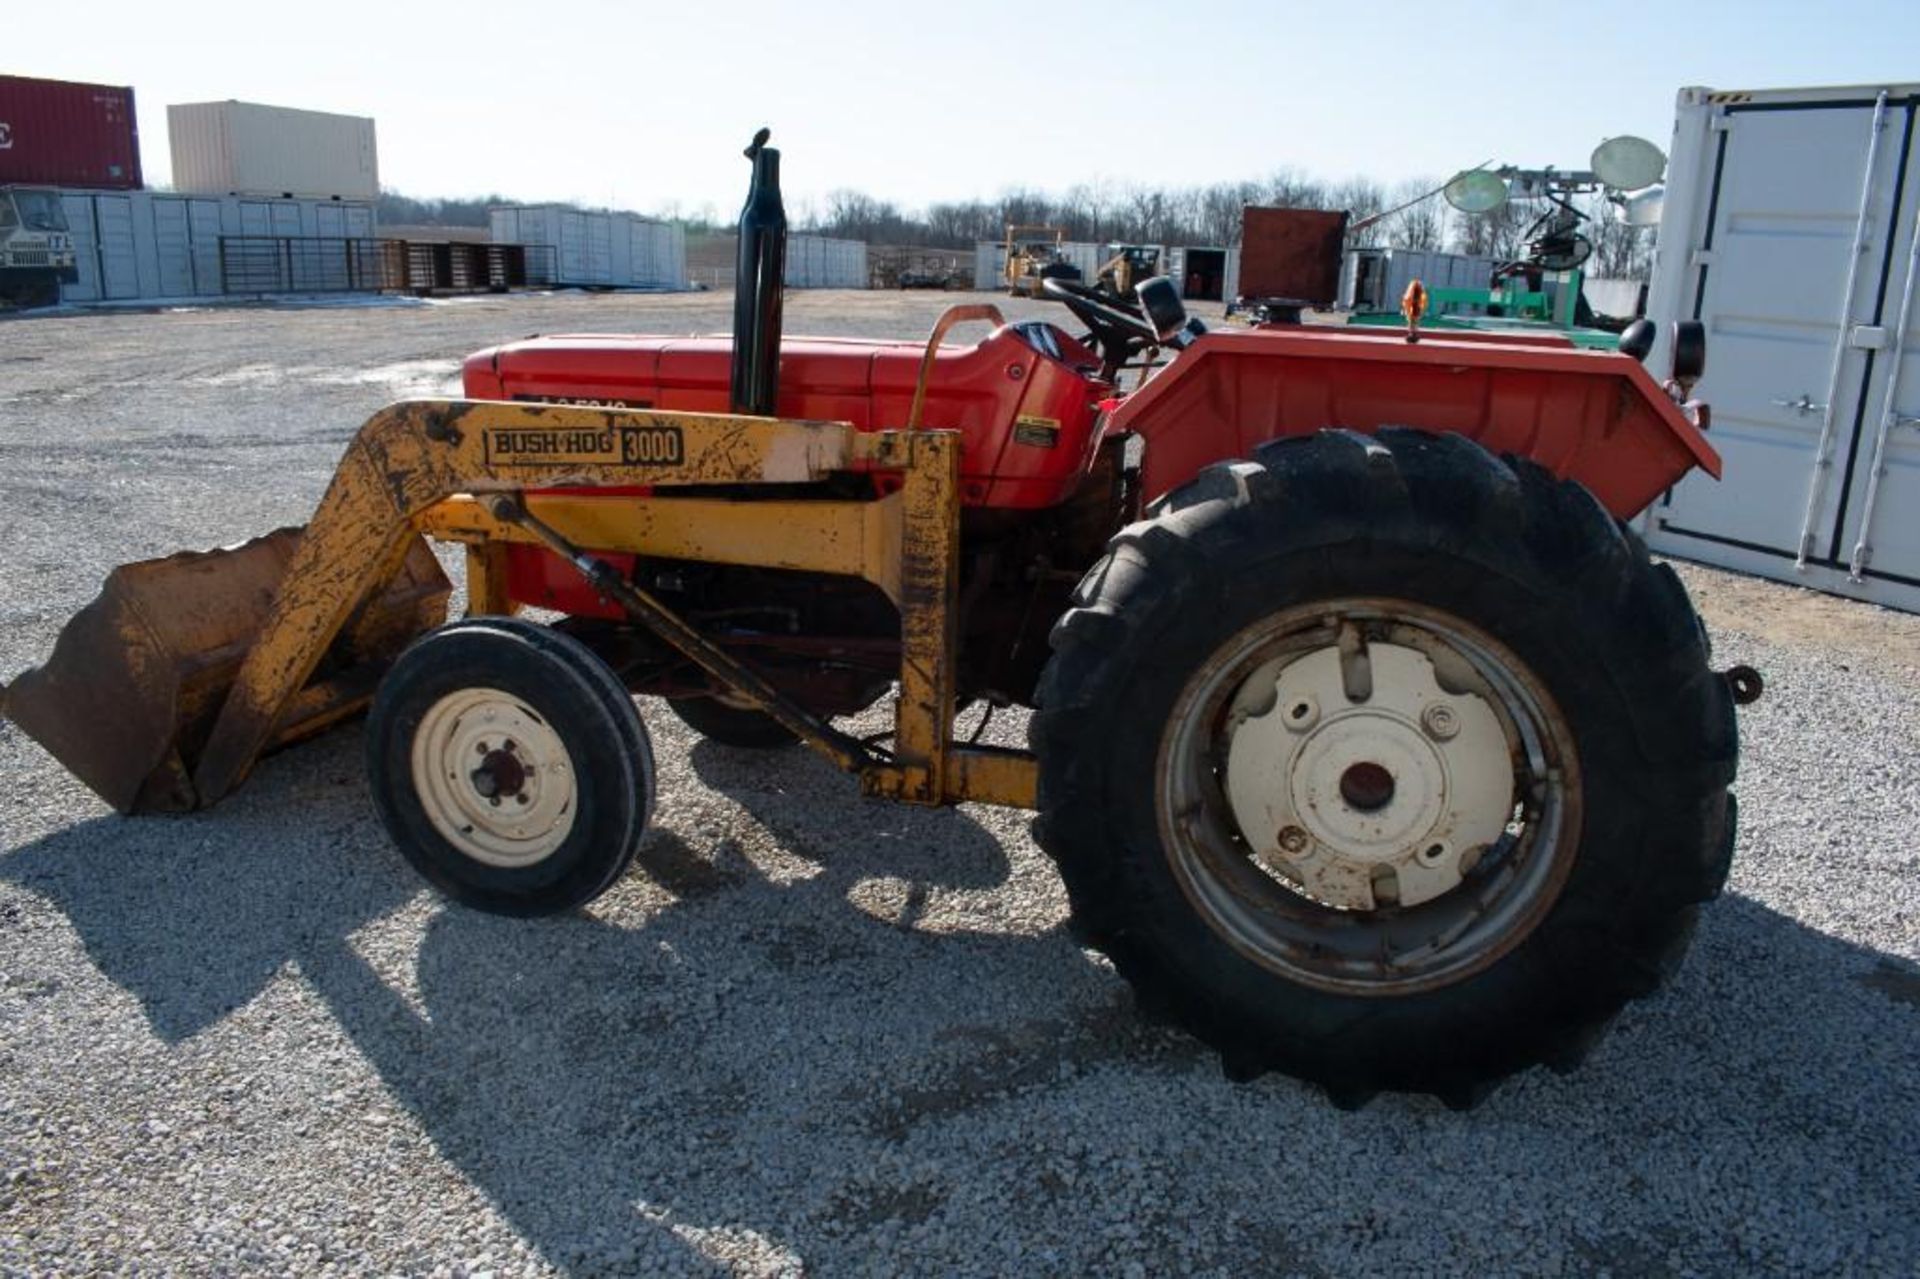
point(674, 240)
point(1879, 515)
point(574, 267)
point(600, 249)
point(173, 247)
point(285, 217)
point(256, 218)
point(1791, 326)
point(86, 249)
point(640, 252)
point(203, 220)
point(119, 267)
point(330, 219)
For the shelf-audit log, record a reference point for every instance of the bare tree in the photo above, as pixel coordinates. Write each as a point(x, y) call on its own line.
point(1496, 234)
point(1362, 198)
point(1620, 251)
point(1422, 223)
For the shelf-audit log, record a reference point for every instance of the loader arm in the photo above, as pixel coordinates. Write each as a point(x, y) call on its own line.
point(413, 455)
point(427, 467)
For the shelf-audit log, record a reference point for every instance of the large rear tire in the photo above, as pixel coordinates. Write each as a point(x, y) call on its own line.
point(1386, 763)
point(510, 766)
point(742, 727)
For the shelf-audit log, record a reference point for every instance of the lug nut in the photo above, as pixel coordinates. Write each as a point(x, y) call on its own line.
point(1440, 721)
point(1293, 840)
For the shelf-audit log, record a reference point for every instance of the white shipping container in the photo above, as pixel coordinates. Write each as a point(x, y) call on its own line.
point(1791, 230)
point(1374, 279)
point(137, 245)
point(244, 148)
point(989, 266)
point(822, 262)
point(597, 250)
point(1088, 257)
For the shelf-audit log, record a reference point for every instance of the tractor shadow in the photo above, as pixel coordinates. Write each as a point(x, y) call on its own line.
point(724, 1048)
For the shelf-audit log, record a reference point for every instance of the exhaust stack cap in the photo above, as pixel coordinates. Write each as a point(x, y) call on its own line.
point(759, 277)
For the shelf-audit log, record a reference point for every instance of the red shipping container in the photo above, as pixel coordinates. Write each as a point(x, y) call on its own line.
point(58, 133)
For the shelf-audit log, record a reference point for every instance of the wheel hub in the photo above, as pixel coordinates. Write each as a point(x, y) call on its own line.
point(1366, 786)
point(501, 773)
point(493, 777)
point(1364, 782)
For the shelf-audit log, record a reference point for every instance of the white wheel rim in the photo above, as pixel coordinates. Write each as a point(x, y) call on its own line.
point(1298, 778)
point(1437, 877)
point(494, 778)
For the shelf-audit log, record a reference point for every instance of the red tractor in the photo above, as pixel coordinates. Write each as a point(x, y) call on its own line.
point(1369, 742)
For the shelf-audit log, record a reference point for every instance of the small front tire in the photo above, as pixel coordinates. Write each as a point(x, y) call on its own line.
point(510, 766)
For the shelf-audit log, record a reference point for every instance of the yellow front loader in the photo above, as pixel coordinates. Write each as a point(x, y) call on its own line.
point(163, 693)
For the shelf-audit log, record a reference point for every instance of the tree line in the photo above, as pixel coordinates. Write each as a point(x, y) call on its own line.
point(1103, 212)
point(1210, 215)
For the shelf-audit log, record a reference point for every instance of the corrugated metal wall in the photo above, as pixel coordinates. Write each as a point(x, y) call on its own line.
point(150, 245)
point(1389, 271)
point(57, 133)
point(598, 250)
point(820, 262)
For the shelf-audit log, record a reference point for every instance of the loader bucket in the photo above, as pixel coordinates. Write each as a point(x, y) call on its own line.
point(136, 679)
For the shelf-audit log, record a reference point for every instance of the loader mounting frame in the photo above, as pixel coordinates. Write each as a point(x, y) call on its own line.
point(480, 473)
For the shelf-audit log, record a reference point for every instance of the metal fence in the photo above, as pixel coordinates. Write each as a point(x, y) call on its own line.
point(331, 264)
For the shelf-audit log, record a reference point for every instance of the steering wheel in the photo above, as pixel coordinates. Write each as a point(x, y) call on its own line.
point(1119, 328)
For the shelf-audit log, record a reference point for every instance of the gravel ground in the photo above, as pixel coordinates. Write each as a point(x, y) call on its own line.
point(812, 1032)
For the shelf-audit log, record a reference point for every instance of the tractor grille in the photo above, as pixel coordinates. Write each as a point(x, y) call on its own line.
point(30, 257)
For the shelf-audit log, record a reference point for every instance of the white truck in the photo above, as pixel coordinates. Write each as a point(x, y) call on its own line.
point(36, 247)
point(1789, 229)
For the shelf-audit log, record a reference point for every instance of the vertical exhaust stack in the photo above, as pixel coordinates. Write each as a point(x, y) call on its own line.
point(759, 277)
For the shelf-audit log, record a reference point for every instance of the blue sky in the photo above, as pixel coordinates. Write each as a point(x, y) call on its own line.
point(646, 106)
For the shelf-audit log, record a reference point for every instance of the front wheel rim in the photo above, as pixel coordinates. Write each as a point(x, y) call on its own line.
point(1368, 796)
point(494, 778)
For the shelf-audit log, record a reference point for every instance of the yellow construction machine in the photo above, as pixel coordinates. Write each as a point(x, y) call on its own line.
point(1034, 255)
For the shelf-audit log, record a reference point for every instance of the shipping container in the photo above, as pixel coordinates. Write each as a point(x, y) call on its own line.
point(1791, 230)
point(1374, 279)
point(151, 245)
point(1198, 271)
point(58, 133)
point(598, 250)
point(1290, 253)
point(821, 262)
point(244, 148)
